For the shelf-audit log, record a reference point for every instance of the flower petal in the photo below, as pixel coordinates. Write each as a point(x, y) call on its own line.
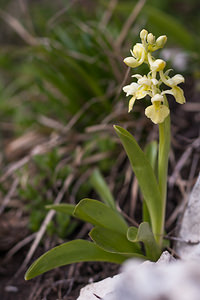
point(132, 62)
point(138, 76)
point(175, 80)
point(131, 103)
point(178, 94)
point(131, 88)
point(157, 115)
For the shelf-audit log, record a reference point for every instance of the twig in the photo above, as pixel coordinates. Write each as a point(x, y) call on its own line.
point(59, 13)
point(76, 117)
point(135, 12)
point(192, 171)
point(49, 122)
point(173, 238)
point(18, 246)
point(17, 27)
point(9, 195)
point(24, 7)
point(35, 288)
point(122, 84)
point(108, 14)
point(96, 157)
point(182, 161)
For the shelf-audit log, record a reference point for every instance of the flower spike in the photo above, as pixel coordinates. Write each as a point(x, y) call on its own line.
point(150, 84)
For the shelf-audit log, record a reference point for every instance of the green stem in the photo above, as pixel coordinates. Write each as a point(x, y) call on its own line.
point(163, 156)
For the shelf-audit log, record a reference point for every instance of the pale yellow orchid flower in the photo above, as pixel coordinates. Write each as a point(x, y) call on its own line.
point(140, 89)
point(137, 91)
point(138, 56)
point(177, 79)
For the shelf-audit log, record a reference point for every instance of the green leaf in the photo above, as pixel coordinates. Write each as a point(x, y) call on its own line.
point(146, 236)
point(99, 214)
point(63, 208)
point(114, 242)
point(102, 188)
point(151, 151)
point(145, 176)
point(68, 253)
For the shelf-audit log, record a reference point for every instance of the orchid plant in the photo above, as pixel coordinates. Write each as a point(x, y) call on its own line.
point(113, 240)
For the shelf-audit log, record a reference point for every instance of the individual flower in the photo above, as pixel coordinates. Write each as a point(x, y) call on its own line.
point(138, 56)
point(156, 65)
point(178, 94)
point(139, 90)
point(157, 112)
point(172, 82)
point(177, 79)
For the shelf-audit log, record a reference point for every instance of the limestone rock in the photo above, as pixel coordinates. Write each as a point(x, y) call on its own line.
point(106, 288)
point(188, 246)
point(99, 289)
point(171, 281)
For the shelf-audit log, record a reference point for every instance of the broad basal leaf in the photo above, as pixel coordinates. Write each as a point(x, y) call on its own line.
point(99, 214)
point(114, 242)
point(68, 253)
point(145, 235)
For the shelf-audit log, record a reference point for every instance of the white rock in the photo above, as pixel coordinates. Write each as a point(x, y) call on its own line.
point(188, 246)
point(106, 287)
point(100, 289)
point(171, 281)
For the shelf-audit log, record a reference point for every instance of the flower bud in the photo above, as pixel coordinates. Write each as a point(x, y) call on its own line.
point(150, 38)
point(131, 62)
point(161, 40)
point(143, 34)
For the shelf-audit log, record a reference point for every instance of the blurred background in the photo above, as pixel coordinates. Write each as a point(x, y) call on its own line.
point(61, 79)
